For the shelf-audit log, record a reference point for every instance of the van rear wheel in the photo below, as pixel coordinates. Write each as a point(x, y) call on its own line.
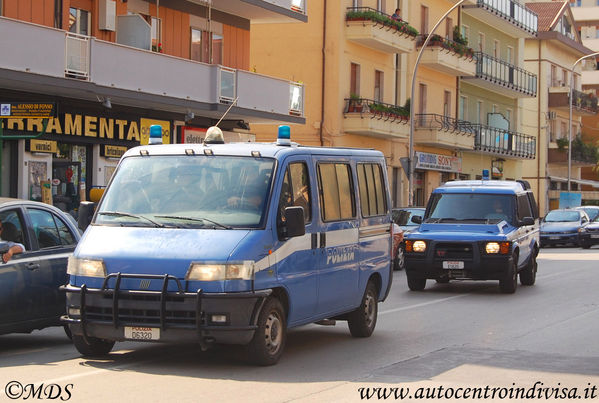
point(95, 348)
point(362, 321)
point(269, 339)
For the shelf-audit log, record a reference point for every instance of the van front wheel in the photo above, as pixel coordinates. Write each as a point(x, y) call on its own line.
point(95, 348)
point(362, 321)
point(269, 339)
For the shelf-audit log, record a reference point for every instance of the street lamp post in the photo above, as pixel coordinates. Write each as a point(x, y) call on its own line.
point(570, 115)
point(411, 157)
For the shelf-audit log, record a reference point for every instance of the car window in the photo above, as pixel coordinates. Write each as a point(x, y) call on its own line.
point(372, 195)
point(66, 236)
point(471, 207)
point(562, 216)
point(12, 226)
point(45, 228)
point(523, 207)
point(336, 191)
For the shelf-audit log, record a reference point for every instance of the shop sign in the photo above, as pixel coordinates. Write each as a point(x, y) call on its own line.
point(26, 110)
point(438, 162)
point(42, 146)
point(145, 130)
point(113, 151)
point(193, 135)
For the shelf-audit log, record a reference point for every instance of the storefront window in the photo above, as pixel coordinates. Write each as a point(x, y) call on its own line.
point(68, 176)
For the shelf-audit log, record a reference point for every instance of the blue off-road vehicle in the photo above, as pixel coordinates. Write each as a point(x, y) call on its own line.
point(476, 230)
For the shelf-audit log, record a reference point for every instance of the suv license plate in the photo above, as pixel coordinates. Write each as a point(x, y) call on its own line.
point(142, 333)
point(553, 237)
point(453, 265)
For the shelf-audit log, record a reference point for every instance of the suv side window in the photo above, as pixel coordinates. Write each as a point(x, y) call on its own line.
point(524, 207)
point(372, 196)
point(533, 205)
point(336, 191)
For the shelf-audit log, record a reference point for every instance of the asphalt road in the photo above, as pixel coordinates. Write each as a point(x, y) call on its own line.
point(464, 337)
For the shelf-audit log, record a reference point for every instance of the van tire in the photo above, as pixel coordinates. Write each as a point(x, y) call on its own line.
point(509, 283)
point(362, 321)
point(268, 343)
point(416, 284)
point(95, 348)
point(528, 276)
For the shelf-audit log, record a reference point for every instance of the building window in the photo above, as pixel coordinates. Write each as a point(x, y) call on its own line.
point(552, 131)
point(563, 130)
point(424, 20)
point(422, 98)
point(510, 55)
point(354, 79)
point(378, 86)
point(554, 80)
point(447, 103)
point(449, 29)
point(156, 34)
point(463, 112)
point(480, 112)
point(496, 49)
point(564, 77)
point(206, 47)
point(466, 33)
point(481, 42)
point(381, 6)
point(79, 21)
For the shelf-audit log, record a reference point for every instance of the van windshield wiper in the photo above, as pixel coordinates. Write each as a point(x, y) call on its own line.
point(176, 217)
point(122, 214)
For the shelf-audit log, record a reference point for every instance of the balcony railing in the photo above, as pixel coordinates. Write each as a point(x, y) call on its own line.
point(377, 109)
point(445, 123)
point(100, 67)
point(377, 119)
point(512, 11)
point(582, 103)
point(378, 17)
point(449, 45)
point(499, 141)
point(444, 131)
point(505, 74)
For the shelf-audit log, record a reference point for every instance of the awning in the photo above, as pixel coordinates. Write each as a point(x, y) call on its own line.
point(587, 182)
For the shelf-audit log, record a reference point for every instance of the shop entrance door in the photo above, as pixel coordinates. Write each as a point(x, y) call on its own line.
point(66, 178)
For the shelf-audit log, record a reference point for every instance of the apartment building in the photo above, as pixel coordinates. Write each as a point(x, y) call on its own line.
point(115, 67)
point(552, 56)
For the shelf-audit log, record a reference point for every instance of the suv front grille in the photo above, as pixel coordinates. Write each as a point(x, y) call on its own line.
point(453, 251)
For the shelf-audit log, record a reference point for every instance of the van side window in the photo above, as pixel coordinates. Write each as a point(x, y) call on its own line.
point(296, 190)
point(523, 207)
point(336, 191)
point(372, 195)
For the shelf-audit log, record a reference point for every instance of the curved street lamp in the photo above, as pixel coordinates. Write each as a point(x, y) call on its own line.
point(570, 115)
point(411, 157)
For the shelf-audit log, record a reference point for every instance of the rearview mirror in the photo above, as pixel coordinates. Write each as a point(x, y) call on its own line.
point(416, 219)
point(86, 212)
point(294, 221)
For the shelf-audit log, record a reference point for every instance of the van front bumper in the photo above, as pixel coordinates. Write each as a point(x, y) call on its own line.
point(228, 318)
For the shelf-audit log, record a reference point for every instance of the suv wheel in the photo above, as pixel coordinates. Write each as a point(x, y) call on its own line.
point(529, 274)
point(95, 348)
point(416, 284)
point(508, 284)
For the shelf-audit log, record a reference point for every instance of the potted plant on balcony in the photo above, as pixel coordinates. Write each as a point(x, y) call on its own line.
point(355, 103)
point(562, 143)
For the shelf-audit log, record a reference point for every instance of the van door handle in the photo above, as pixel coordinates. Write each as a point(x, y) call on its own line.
point(33, 266)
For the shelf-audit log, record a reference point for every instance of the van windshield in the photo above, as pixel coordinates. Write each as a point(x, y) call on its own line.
point(491, 208)
point(188, 192)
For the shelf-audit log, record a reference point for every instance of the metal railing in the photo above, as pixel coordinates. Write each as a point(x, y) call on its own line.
point(506, 74)
point(77, 56)
point(582, 100)
point(374, 15)
point(376, 109)
point(513, 11)
point(446, 123)
point(499, 141)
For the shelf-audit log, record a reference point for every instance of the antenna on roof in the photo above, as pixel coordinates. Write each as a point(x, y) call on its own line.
point(214, 135)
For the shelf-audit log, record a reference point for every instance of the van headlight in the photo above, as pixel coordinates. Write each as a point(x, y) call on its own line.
point(86, 267)
point(219, 272)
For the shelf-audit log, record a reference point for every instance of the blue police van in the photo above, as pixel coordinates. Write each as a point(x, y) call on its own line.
point(233, 244)
point(475, 230)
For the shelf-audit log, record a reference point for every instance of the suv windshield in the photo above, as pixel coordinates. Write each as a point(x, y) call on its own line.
point(471, 207)
point(562, 216)
point(188, 191)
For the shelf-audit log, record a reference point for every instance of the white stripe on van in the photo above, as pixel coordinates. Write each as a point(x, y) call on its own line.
point(341, 237)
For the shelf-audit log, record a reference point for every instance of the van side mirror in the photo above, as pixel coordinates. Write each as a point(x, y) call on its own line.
point(416, 219)
point(294, 221)
point(527, 221)
point(86, 212)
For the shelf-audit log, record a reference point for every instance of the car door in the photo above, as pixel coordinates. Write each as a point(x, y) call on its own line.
point(296, 257)
point(15, 305)
point(54, 241)
point(338, 275)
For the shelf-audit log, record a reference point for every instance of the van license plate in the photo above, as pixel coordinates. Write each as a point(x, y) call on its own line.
point(595, 236)
point(453, 265)
point(142, 333)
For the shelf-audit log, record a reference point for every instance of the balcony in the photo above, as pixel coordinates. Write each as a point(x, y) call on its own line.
point(507, 16)
point(264, 11)
point(370, 118)
point(582, 103)
point(502, 77)
point(448, 57)
point(443, 131)
point(492, 140)
point(54, 62)
point(373, 29)
point(558, 156)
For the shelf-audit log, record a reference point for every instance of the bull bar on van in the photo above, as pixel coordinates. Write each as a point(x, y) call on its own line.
point(181, 316)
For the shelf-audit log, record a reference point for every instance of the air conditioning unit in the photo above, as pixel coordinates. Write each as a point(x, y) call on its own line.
point(551, 115)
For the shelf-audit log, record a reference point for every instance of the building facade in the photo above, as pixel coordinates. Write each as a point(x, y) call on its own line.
point(113, 68)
